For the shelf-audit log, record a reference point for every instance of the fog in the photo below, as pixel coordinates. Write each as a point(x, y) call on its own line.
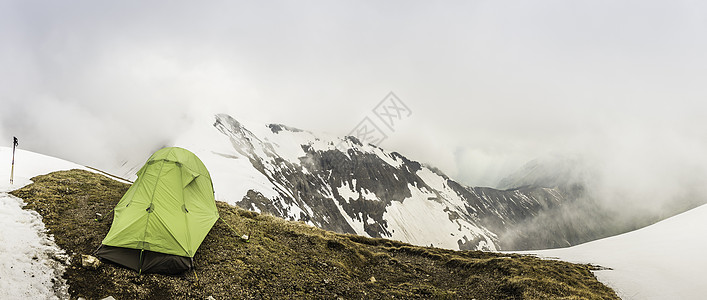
point(490, 85)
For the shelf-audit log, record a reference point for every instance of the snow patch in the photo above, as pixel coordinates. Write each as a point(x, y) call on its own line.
point(387, 157)
point(288, 145)
point(661, 261)
point(368, 195)
point(347, 192)
point(28, 265)
point(420, 221)
point(357, 225)
point(28, 256)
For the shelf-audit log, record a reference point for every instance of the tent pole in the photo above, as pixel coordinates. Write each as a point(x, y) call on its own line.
point(140, 269)
point(193, 268)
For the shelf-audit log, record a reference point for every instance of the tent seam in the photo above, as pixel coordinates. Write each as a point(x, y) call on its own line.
point(152, 199)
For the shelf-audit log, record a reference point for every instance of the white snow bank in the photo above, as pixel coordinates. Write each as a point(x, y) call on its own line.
point(27, 165)
point(28, 265)
point(663, 261)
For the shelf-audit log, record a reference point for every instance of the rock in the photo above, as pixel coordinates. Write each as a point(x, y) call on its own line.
point(210, 298)
point(372, 280)
point(108, 298)
point(90, 262)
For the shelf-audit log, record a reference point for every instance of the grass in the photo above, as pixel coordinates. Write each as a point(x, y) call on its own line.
point(285, 260)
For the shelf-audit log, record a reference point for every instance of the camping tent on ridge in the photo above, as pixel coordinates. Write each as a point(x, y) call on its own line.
point(164, 216)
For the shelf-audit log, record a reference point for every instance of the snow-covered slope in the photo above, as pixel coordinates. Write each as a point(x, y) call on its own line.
point(343, 185)
point(663, 261)
point(232, 173)
point(28, 265)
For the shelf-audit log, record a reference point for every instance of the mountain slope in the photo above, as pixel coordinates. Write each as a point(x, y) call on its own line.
point(661, 261)
point(285, 259)
point(30, 264)
point(342, 185)
point(591, 210)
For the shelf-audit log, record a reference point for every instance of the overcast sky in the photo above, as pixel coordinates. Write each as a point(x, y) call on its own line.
point(491, 84)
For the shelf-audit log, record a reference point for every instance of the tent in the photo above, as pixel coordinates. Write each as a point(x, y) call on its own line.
point(164, 216)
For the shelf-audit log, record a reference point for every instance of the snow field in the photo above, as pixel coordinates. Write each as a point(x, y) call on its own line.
point(28, 265)
point(663, 261)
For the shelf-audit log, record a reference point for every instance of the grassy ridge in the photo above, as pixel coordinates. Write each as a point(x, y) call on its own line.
point(290, 259)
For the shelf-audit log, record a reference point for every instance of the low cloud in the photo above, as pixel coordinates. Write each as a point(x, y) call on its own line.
point(491, 85)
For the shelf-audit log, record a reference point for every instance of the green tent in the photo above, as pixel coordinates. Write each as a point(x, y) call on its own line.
point(165, 215)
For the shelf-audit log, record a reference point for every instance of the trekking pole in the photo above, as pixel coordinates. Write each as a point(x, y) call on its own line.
point(12, 169)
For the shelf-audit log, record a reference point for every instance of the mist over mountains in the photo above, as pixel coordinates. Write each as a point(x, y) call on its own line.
point(343, 185)
point(595, 209)
point(491, 86)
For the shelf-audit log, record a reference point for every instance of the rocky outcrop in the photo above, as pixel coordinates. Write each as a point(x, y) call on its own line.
point(343, 185)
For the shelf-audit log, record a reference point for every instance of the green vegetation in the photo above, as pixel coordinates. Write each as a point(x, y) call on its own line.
point(286, 259)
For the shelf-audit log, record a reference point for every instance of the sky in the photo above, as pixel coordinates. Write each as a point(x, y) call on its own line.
point(490, 85)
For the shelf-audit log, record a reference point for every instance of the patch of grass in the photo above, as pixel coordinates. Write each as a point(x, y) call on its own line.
point(285, 259)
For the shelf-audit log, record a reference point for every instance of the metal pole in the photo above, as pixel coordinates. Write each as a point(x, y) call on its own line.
point(12, 169)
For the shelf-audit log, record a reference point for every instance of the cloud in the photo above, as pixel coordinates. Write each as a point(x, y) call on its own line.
point(491, 85)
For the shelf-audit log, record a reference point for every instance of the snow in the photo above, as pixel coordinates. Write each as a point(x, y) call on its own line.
point(387, 157)
point(439, 184)
point(288, 145)
point(420, 221)
point(292, 211)
point(347, 192)
point(663, 261)
point(357, 225)
point(28, 268)
point(236, 175)
point(368, 195)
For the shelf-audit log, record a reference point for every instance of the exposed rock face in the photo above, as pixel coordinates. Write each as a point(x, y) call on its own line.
point(587, 212)
point(342, 185)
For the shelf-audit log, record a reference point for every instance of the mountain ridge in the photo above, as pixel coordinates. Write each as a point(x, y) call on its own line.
point(344, 185)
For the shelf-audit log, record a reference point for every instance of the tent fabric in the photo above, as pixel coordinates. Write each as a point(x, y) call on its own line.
point(169, 209)
point(152, 262)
